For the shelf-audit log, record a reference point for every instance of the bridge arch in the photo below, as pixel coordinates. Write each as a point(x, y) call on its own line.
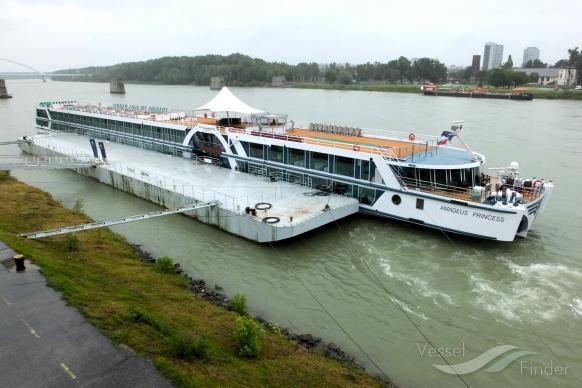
point(26, 66)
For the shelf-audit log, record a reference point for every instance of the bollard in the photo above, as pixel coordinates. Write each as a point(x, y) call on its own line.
point(19, 261)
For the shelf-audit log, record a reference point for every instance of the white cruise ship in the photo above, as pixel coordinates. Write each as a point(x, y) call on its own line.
point(403, 176)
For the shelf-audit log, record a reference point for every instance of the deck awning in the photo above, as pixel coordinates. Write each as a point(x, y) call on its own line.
point(225, 101)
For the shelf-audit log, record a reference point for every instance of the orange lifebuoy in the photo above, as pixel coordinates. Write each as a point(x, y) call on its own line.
point(411, 137)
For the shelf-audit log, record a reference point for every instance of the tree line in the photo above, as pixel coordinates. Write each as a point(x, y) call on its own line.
point(243, 70)
point(239, 69)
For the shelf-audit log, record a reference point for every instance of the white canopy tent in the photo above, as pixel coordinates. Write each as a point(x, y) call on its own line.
point(225, 101)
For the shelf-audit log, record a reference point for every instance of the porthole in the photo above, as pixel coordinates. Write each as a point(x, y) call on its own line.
point(396, 200)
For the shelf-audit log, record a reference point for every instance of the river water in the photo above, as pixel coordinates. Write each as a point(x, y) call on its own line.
point(381, 290)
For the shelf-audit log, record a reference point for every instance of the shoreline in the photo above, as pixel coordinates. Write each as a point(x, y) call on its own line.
point(110, 282)
point(214, 295)
point(543, 94)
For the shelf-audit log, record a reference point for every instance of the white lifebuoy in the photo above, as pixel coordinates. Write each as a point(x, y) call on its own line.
point(537, 183)
point(411, 137)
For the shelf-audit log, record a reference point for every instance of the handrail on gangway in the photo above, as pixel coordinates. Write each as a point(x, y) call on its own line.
point(116, 221)
point(13, 142)
point(49, 162)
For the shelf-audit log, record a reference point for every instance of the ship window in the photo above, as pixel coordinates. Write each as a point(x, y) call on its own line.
point(344, 166)
point(256, 151)
point(456, 178)
point(419, 203)
point(396, 200)
point(276, 153)
point(296, 157)
point(365, 169)
point(366, 196)
point(424, 175)
point(440, 177)
point(469, 178)
point(319, 161)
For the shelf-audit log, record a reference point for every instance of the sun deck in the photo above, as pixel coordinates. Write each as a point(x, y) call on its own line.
point(422, 150)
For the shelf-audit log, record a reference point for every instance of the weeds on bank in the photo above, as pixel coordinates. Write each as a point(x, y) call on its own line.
point(78, 206)
point(72, 242)
point(249, 334)
point(188, 346)
point(238, 303)
point(274, 328)
point(164, 264)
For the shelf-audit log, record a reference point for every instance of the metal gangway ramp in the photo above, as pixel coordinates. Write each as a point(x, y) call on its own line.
point(51, 162)
point(116, 221)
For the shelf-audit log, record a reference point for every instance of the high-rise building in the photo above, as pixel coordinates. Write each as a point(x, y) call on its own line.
point(492, 56)
point(475, 66)
point(530, 54)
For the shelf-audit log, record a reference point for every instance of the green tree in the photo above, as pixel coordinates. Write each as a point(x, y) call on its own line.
point(344, 77)
point(533, 77)
point(505, 77)
point(509, 63)
point(404, 67)
point(332, 73)
point(498, 78)
point(535, 64)
point(575, 60)
point(427, 69)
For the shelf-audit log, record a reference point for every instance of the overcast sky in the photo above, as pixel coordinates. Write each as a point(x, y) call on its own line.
point(57, 34)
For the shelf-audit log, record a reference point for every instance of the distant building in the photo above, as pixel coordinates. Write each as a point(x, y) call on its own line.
point(492, 56)
point(475, 66)
point(216, 83)
point(530, 54)
point(564, 76)
point(279, 81)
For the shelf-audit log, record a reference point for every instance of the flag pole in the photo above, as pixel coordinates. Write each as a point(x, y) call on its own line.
point(456, 128)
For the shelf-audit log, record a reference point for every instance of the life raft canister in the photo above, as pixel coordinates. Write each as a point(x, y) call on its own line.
point(411, 137)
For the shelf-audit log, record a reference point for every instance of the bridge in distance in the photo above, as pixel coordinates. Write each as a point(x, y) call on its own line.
point(33, 73)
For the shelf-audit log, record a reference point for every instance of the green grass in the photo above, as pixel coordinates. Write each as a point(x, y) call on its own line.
point(541, 93)
point(190, 341)
point(372, 87)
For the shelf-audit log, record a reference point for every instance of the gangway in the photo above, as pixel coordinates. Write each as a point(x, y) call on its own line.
point(12, 142)
point(116, 221)
point(47, 162)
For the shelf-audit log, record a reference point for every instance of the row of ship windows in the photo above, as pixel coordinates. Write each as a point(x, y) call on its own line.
point(138, 129)
point(365, 195)
point(355, 168)
point(149, 145)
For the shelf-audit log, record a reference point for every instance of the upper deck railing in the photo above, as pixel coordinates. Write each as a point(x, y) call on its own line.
point(394, 153)
point(421, 145)
point(479, 194)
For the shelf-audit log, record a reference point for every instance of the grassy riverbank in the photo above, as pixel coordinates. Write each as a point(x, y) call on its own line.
point(542, 93)
point(135, 305)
